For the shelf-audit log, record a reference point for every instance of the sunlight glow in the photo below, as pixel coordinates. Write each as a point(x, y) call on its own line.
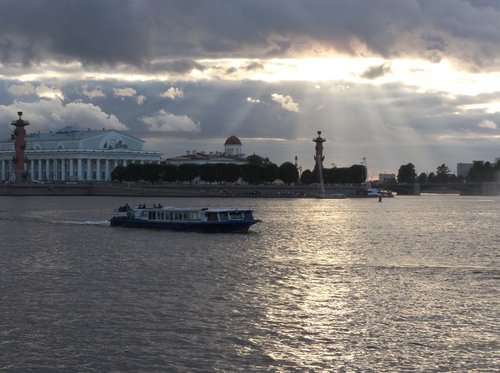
point(489, 107)
point(423, 76)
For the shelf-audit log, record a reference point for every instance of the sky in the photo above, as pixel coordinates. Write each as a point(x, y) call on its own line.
point(388, 81)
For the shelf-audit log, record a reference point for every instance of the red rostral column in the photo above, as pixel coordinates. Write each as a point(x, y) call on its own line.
point(319, 158)
point(18, 159)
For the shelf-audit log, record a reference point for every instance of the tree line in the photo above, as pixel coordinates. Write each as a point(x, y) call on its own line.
point(480, 172)
point(258, 170)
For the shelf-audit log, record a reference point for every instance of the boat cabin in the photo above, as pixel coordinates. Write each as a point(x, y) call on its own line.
point(192, 215)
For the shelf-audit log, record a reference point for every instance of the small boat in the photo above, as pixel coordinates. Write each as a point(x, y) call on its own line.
point(216, 220)
point(386, 193)
point(372, 192)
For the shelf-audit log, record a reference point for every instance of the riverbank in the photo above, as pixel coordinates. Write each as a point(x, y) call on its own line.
point(175, 190)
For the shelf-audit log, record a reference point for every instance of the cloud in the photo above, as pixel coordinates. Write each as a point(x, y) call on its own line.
point(28, 89)
point(254, 66)
point(164, 121)
point(140, 99)
point(129, 93)
point(466, 31)
point(24, 89)
point(173, 93)
point(486, 123)
point(231, 70)
point(124, 92)
point(176, 66)
point(375, 72)
point(253, 100)
point(92, 93)
point(380, 121)
point(49, 92)
point(286, 102)
point(46, 115)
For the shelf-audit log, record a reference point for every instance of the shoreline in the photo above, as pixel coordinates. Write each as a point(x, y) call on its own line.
point(177, 190)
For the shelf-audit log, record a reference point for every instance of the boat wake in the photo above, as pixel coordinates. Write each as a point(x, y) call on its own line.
point(79, 222)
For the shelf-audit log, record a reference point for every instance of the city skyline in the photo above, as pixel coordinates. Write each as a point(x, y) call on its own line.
point(390, 81)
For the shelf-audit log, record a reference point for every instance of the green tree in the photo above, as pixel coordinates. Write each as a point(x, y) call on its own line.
point(208, 172)
point(187, 172)
point(151, 172)
point(329, 175)
point(442, 173)
point(422, 178)
point(230, 172)
point(357, 173)
point(133, 172)
point(118, 173)
point(407, 174)
point(288, 173)
point(307, 177)
point(257, 160)
point(484, 172)
point(251, 173)
point(169, 172)
point(270, 172)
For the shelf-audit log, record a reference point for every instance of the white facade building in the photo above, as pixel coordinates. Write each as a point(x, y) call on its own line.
point(72, 154)
point(232, 155)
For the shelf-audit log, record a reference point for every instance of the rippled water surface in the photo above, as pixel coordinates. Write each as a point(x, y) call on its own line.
point(409, 284)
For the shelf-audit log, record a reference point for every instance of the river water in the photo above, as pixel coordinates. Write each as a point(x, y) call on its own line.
point(410, 284)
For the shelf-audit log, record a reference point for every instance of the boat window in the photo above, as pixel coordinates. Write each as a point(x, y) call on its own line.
point(212, 216)
point(235, 215)
point(248, 215)
point(177, 215)
point(223, 216)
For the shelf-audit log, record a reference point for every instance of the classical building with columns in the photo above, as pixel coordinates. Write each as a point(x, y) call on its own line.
point(72, 154)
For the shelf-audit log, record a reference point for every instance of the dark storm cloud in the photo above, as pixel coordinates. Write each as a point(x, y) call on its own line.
point(254, 66)
point(137, 32)
point(90, 31)
point(376, 71)
point(181, 66)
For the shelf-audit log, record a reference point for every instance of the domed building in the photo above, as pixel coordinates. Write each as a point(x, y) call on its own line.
point(74, 154)
point(232, 155)
point(232, 146)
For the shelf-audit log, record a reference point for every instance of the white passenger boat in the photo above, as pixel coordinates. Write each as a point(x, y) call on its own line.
point(217, 220)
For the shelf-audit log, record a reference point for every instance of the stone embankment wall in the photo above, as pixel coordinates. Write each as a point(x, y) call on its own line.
point(177, 190)
point(180, 190)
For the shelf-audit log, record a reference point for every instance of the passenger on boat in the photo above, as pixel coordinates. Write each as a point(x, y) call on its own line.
point(124, 208)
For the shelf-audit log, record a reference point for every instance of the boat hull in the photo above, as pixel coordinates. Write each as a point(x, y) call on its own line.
point(204, 227)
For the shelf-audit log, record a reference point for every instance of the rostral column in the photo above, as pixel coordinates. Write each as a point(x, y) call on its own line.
point(20, 144)
point(319, 158)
